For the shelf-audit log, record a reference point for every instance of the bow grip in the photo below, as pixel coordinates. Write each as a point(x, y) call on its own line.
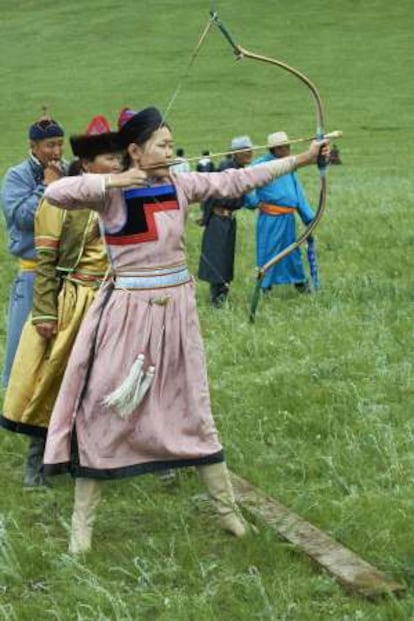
point(322, 160)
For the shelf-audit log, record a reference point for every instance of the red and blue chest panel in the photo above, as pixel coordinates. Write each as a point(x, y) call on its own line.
point(141, 205)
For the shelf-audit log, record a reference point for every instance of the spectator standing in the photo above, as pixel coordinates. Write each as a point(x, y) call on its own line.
point(218, 244)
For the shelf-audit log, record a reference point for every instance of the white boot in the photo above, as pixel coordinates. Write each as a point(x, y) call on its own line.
point(87, 497)
point(216, 478)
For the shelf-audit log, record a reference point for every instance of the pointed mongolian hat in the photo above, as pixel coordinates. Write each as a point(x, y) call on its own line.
point(124, 116)
point(45, 128)
point(97, 139)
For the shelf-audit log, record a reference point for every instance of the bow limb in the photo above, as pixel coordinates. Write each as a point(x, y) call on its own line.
point(241, 53)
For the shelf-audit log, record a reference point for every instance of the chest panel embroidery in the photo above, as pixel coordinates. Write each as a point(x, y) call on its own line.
point(141, 205)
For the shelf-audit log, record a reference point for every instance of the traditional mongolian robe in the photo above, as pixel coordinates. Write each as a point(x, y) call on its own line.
point(71, 264)
point(278, 202)
point(21, 192)
point(219, 238)
point(149, 309)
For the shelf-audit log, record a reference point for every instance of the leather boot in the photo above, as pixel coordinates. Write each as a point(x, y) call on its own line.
point(87, 496)
point(216, 478)
point(33, 475)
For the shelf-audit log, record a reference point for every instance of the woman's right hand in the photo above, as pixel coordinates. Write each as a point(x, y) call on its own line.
point(131, 178)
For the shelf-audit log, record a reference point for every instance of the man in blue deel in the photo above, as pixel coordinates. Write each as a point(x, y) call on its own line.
point(277, 203)
point(23, 187)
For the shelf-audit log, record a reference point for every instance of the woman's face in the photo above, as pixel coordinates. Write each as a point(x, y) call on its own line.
point(105, 163)
point(155, 154)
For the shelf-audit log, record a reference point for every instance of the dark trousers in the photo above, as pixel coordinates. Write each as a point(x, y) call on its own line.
point(33, 475)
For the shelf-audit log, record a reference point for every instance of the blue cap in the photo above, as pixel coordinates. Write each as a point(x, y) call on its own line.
point(45, 127)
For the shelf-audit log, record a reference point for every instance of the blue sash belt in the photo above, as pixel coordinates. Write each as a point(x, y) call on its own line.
point(154, 279)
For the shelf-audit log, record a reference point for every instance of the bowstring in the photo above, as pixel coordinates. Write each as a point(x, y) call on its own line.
point(188, 68)
point(177, 91)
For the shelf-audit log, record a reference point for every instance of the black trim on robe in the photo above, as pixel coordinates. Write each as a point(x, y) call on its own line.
point(78, 471)
point(18, 427)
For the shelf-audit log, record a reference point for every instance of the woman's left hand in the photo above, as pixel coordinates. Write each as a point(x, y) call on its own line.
point(319, 148)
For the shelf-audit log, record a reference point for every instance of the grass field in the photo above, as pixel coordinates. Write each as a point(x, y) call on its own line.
point(313, 403)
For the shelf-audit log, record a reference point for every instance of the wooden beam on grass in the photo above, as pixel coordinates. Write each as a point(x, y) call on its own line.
point(347, 567)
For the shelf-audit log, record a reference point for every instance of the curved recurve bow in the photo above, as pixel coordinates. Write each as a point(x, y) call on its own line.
point(240, 53)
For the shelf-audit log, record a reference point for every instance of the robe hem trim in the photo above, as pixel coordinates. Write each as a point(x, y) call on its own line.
point(18, 427)
point(78, 471)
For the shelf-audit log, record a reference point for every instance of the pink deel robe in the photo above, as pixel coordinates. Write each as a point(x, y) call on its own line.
point(173, 425)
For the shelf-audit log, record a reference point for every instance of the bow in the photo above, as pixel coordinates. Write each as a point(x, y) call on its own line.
point(241, 53)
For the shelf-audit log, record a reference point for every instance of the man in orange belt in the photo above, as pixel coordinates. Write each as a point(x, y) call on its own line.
point(278, 202)
point(219, 238)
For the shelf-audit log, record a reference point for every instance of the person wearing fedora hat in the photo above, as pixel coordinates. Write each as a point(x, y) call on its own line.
point(218, 244)
point(278, 140)
point(278, 202)
point(23, 187)
point(71, 265)
point(135, 397)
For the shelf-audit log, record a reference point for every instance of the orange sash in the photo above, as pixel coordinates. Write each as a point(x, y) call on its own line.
point(276, 210)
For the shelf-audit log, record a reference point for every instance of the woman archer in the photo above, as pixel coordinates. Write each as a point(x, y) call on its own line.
point(135, 395)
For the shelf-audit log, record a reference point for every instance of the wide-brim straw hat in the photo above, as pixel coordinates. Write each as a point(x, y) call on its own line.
point(278, 139)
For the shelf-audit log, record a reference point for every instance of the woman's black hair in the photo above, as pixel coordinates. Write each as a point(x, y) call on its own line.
point(138, 129)
point(140, 140)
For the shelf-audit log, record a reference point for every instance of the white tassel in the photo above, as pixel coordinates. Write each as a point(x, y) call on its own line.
point(124, 398)
point(146, 382)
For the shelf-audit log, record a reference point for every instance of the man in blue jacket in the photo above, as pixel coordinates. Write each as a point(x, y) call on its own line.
point(23, 187)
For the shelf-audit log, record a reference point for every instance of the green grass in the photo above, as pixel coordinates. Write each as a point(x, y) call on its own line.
point(314, 402)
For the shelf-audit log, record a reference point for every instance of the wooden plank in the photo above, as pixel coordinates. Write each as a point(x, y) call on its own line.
point(349, 569)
